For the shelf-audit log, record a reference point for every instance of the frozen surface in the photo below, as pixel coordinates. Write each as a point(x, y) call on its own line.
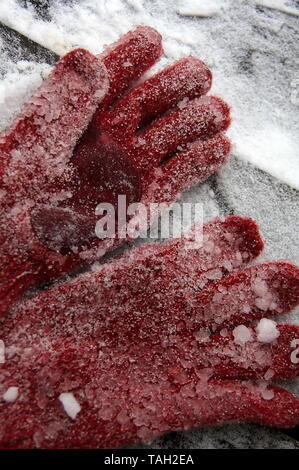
point(242, 334)
point(258, 76)
point(280, 5)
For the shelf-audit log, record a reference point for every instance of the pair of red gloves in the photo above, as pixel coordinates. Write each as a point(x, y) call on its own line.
point(156, 339)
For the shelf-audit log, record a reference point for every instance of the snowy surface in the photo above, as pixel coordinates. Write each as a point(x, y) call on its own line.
point(252, 50)
point(266, 331)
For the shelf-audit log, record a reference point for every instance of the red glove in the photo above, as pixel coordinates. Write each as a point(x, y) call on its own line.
point(48, 199)
point(146, 344)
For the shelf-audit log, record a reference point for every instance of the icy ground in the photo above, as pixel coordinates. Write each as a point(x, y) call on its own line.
point(251, 47)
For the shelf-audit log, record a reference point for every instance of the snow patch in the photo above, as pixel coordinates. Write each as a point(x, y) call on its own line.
point(70, 404)
point(279, 5)
point(242, 334)
point(11, 394)
point(270, 147)
point(267, 331)
point(202, 8)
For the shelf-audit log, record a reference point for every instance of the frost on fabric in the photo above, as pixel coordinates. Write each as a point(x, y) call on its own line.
point(11, 394)
point(37, 146)
point(266, 393)
point(35, 154)
point(249, 295)
point(70, 404)
point(242, 334)
point(267, 331)
point(137, 363)
point(101, 337)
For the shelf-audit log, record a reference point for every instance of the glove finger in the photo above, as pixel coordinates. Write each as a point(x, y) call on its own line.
point(128, 59)
point(222, 239)
point(249, 353)
point(109, 403)
point(188, 78)
point(218, 402)
point(186, 168)
point(264, 290)
point(201, 119)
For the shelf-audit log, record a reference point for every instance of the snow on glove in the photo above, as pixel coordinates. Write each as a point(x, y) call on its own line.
point(34, 157)
point(156, 340)
point(48, 199)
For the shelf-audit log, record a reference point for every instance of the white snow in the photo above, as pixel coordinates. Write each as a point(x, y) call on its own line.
point(11, 394)
point(267, 394)
point(269, 147)
point(19, 82)
point(2, 352)
point(70, 404)
point(204, 8)
point(265, 299)
point(267, 331)
point(242, 334)
point(280, 5)
point(224, 332)
point(24, 21)
point(202, 335)
point(260, 287)
point(214, 274)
